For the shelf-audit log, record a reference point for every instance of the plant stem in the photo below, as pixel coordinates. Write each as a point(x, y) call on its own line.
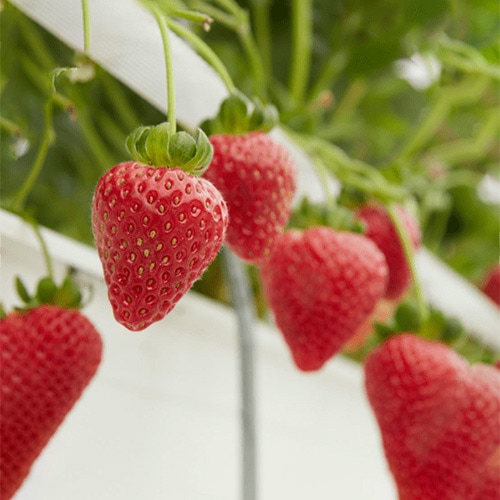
point(301, 48)
point(237, 20)
point(43, 246)
point(262, 25)
point(252, 51)
point(204, 50)
point(86, 25)
point(121, 105)
point(405, 241)
point(162, 21)
point(467, 92)
point(9, 127)
point(47, 139)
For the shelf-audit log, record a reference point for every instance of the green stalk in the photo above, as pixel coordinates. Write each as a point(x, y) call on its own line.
point(238, 21)
point(43, 246)
point(215, 13)
point(468, 150)
point(122, 108)
point(250, 47)
point(467, 92)
point(204, 50)
point(47, 139)
point(9, 127)
point(86, 25)
point(301, 48)
point(262, 26)
point(162, 21)
point(95, 142)
point(331, 69)
point(404, 238)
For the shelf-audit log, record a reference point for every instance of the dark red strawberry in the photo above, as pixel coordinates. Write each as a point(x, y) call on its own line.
point(256, 177)
point(156, 231)
point(381, 230)
point(48, 356)
point(491, 284)
point(321, 286)
point(439, 419)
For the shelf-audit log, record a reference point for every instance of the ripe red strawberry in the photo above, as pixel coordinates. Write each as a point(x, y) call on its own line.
point(491, 284)
point(439, 419)
point(380, 229)
point(256, 177)
point(156, 231)
point(321, 285)
point(48, 356)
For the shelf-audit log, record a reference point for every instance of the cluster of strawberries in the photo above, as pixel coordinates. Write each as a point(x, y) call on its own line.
point(157, 231)
point(157, 227)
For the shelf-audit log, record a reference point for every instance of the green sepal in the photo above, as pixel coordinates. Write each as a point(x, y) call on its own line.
point(309, 214)
point(159, 147)
point(22, 291)
point(46, 291)
point(67, 295)
point(240, 115)
point(407, 317)
point(3, 312)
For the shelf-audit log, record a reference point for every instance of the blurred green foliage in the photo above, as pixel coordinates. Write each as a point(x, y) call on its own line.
point(437, 141)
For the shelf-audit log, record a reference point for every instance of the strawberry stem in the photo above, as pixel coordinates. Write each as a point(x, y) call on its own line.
point(301, 49)
point(404, 238)
point(47, 139)
point(161, 19)
point(205, 51)
point(86, 25)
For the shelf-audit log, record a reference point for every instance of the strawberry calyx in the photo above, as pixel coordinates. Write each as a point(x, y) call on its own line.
point(339, 217)
point(240, 115)
point(67, 295)
point(436, 326)
point(159, 147)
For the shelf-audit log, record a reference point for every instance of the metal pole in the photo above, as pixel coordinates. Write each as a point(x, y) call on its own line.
point(243, 305)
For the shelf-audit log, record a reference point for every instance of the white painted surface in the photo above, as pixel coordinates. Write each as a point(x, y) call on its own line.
point(161, 418)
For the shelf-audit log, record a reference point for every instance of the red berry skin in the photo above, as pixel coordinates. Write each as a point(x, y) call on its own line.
point(257, 178)
point(381, 230)
point(439, 419)
point(156, 231)
point(321, 285)
point(491, 284)
point(48, 357)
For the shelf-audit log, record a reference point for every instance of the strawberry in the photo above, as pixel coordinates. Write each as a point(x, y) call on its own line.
point(256, 177)
point(156, 231)
point(439, 419)
point(321, 285)
point(48, 355)
point(381, 230)
point(491, 284)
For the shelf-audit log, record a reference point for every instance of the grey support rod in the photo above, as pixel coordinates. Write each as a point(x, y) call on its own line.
point(243, 305)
